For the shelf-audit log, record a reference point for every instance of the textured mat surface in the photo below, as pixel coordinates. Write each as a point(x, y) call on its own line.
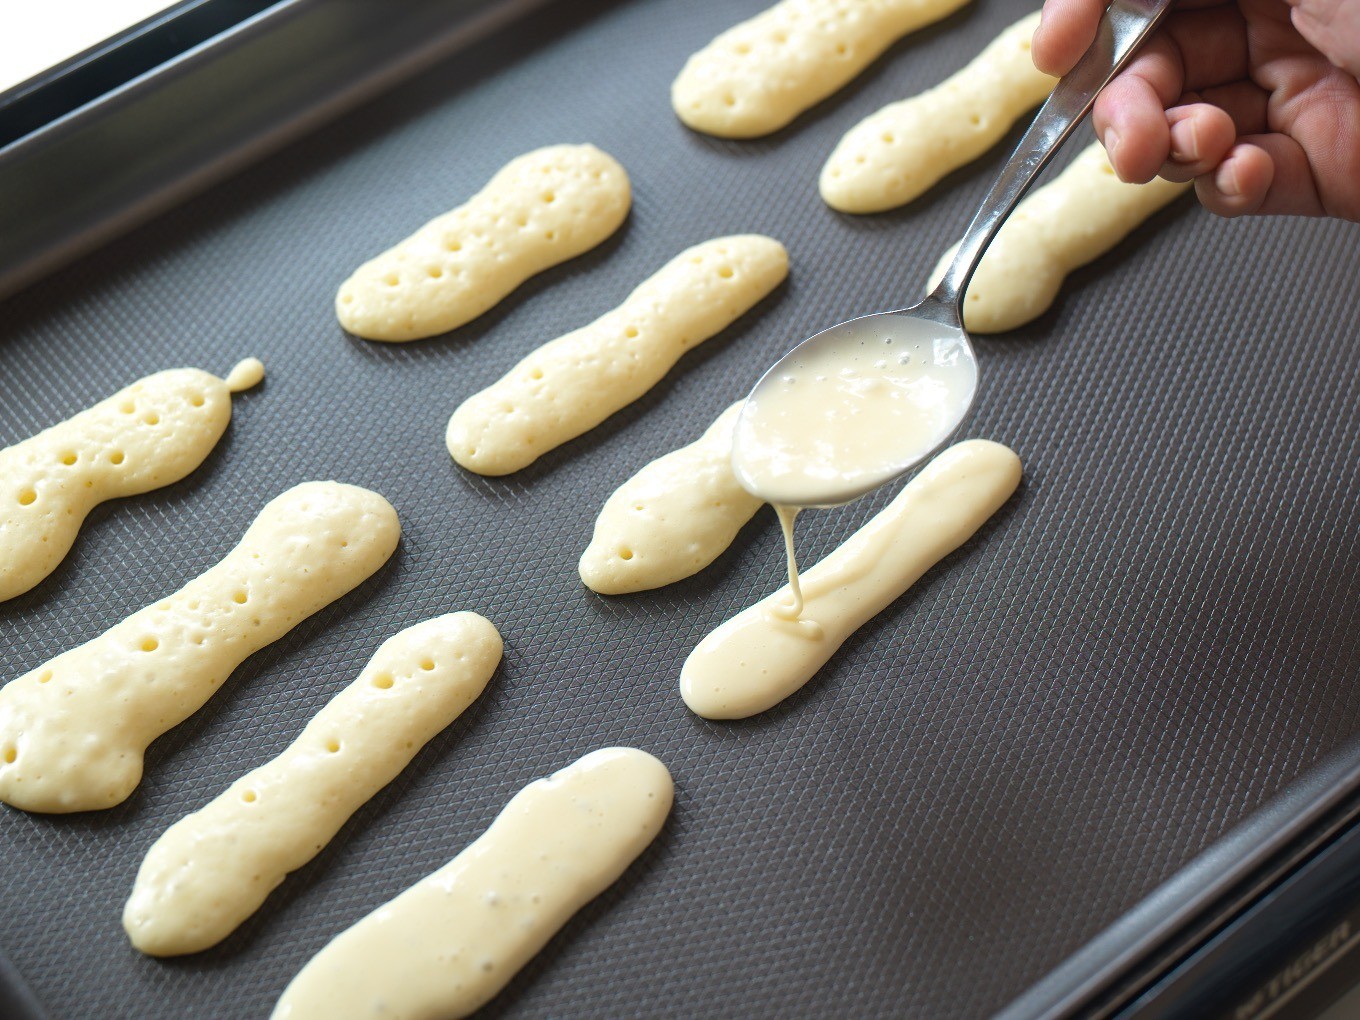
point(1152, 638)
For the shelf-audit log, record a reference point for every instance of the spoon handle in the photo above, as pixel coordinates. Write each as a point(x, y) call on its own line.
point(1123, 26)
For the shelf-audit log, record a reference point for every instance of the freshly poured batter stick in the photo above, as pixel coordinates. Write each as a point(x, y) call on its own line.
point(1077, 217)
point(146, 436)
point(73, 731)
point(759, 657)
point(896, 154)
point(541, 209)
point(573, 383)
point(672, 518)
point(760, 74)
point(448, 944)
point(214, 868)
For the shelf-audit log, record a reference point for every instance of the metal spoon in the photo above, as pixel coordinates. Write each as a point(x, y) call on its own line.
point(792, 447)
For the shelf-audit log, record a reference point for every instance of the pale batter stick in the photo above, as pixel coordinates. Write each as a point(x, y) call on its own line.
point(760, 74)
point(759, 657)
point(542, 208)
point(214, 868)
point(1080, 215)
point(672, 518)
point(74, 730)
point(453, 940)
point(146, 436)
point(573, 383)
point(896, 154)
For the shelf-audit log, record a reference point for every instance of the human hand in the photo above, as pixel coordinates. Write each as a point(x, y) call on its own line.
point(1257, 101)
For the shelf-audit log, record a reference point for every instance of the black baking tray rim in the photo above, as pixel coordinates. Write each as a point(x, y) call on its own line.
point(1112, 969)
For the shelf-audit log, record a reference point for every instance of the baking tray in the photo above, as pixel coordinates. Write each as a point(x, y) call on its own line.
point(1150, 642)
point(96, 146)
point(86, 76)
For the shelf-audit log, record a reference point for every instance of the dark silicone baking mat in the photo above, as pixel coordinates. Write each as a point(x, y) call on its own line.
point(1155, 636)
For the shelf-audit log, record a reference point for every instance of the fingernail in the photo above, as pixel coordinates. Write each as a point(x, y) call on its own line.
point(1111, 141)
point(1225, 180)
point(1185, 142)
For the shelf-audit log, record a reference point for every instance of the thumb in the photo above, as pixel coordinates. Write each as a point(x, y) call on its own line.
point(1332, 27)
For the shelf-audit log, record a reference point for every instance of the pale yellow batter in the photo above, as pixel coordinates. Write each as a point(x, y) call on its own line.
point(672, 518)
point(896, 154)
point(214, 868)
point(760, 74)
point(759, 657)
point(74, 730)
point(541, 209)
point(448, 944)
point(837, 419)
point(573, 383)
point(793, 608)
point(1079, 216)
point(143, 437)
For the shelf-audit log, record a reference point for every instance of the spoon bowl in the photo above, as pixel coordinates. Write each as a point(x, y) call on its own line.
point(856, 405)
point(837, 416)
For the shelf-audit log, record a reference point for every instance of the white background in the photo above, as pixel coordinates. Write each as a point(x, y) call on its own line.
point(36, 34)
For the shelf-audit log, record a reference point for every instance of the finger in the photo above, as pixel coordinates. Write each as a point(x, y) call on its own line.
point(1244, 101)
point(1201, 136)
point(1066, 29)
point(1130, 113)
point(1238, 186)
point(1159, 64)
point(1211, 44)
point(1267, 175)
